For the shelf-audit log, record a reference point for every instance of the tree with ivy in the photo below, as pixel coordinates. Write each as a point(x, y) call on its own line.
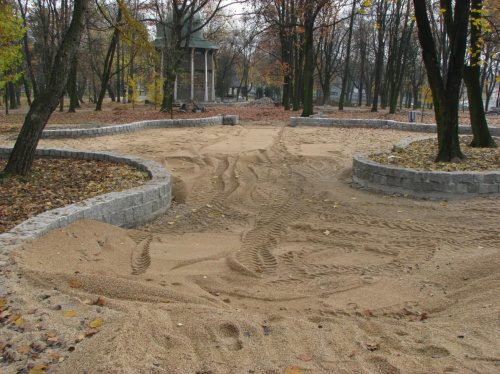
point(154, 89)
point(132, 93)
point(22, 156)
point(11, 33)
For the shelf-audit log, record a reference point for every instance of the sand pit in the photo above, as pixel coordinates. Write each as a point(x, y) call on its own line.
point(269, 262)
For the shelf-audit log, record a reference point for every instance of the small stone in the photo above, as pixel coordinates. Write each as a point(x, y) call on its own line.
point(38, 346)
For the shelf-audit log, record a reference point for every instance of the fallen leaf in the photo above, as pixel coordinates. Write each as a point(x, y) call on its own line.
point(368, 313)
point(294, 370)
point(69, 313)
point(424, 316)
point(52, 340)
point(39, 369)
point(54, 356)
point(326, 232)
point(373, 347)
point(95, 323)
point(25, 349)
point(2, 303)
point(100, 302)
point(75, 283)
point(15, 317)
point(209, 206)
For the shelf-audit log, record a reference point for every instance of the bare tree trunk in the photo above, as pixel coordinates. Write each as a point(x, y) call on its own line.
point(73, 97)
point(308, 106)
point(27, 90)
point(472, 78)
point(108, 63)
point(379, 61)
point(347, 59)
point(445, 95)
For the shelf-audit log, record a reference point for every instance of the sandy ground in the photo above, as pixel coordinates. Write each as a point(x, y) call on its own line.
point(268, 262)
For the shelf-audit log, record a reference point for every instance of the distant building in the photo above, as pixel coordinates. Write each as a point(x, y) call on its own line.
point(198, 81)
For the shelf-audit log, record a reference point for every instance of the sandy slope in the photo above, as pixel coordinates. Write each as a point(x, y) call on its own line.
point(270, 260)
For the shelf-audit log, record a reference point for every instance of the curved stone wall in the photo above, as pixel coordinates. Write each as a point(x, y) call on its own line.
point(378, 124)
point(389, 179)
point(127, 208)
point(138, 126)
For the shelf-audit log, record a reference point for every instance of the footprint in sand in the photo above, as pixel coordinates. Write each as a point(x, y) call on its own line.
point(141, 259)
point(229, 335)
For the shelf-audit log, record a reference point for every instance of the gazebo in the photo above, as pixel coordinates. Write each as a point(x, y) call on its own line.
point(198, 80)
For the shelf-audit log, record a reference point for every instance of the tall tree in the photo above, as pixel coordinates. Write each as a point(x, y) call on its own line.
point(27, 52)
point(110, 54)
point(472, 78)
point(382, 7)
point(310, 11)
point(280, 18)
point(346, 77)
point(445, 89)
point(21, 157)
point(399, 51)
point(329, 53)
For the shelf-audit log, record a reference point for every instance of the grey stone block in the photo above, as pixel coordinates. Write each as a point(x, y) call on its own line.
point(488, 188)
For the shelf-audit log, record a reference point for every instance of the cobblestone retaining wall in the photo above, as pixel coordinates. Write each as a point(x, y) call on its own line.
point(126, 209)
point(380, 124)
point(423, 184)
point(138, 126)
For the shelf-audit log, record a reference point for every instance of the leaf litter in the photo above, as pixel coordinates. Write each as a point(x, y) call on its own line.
point(420, 155)
point(54, 183)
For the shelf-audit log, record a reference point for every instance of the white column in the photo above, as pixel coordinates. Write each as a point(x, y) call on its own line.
point(192, 74)
point(206, 75)
point(213, 77)
point(175, 88)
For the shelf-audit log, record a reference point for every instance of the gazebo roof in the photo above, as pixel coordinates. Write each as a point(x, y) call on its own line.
point(196, 39)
